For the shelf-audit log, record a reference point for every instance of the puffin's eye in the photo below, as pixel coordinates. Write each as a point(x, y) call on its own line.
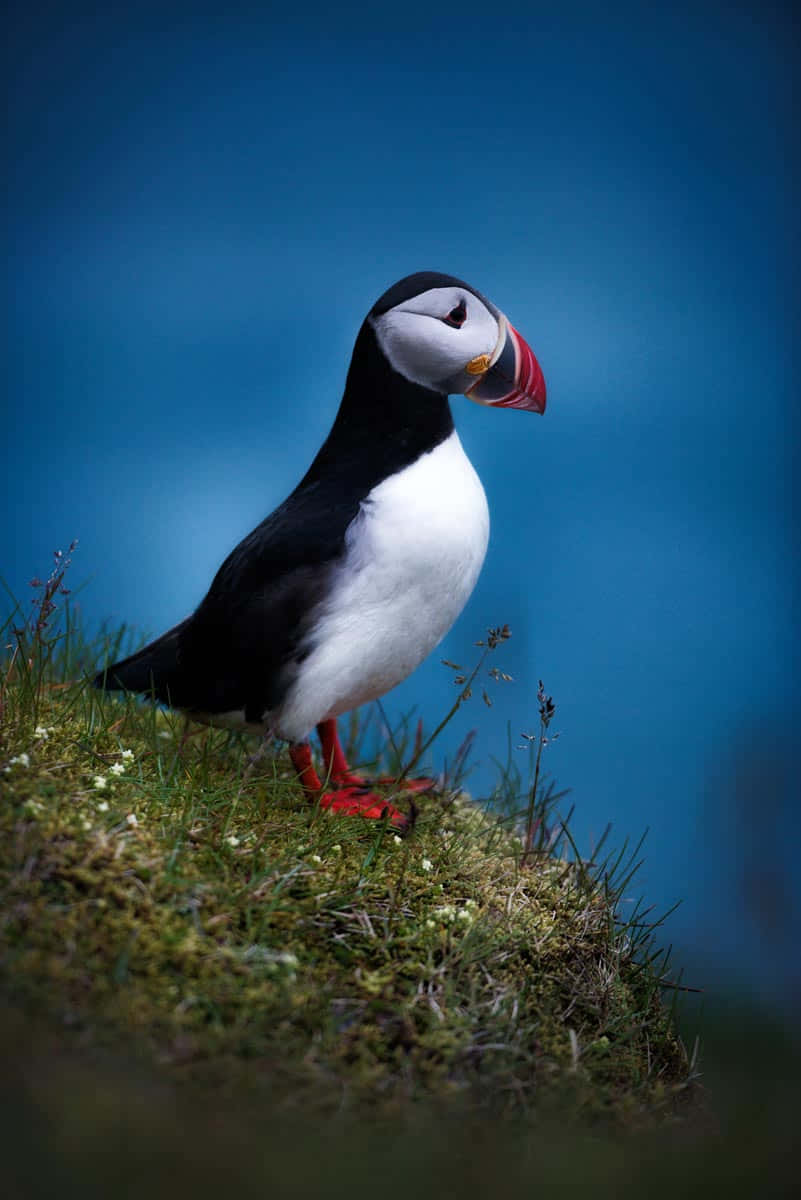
point(457, 316)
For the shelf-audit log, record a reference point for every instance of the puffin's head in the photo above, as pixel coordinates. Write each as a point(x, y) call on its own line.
point(443, 335)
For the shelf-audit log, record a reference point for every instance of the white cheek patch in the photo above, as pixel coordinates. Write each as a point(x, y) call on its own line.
point(421, 347)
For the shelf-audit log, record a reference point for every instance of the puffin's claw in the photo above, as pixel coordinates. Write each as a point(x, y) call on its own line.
point(357, 802)
point(350, 799)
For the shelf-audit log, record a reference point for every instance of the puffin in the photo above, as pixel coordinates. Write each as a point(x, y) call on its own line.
point(342, 591)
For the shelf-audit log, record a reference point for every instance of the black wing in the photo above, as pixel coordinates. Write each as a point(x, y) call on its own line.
point(242, 646)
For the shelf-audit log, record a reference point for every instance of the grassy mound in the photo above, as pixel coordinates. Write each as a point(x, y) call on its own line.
point(161, 895)
point(237, 934)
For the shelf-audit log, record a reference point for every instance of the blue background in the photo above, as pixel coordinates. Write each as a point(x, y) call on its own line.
point(204, 204)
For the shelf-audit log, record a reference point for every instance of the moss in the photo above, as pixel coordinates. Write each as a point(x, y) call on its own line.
point(158, 895)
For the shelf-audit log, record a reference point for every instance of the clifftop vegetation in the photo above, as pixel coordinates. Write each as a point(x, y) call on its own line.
point(166, 899)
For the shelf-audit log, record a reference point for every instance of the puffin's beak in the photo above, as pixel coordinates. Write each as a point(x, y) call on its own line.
point(511, 377)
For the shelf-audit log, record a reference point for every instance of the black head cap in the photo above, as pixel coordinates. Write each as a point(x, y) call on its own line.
point(421, 281)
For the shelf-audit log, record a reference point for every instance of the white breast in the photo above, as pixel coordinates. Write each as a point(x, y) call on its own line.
point(413, 555)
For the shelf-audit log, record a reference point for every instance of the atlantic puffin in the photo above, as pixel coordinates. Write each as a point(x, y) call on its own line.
point(354, 579)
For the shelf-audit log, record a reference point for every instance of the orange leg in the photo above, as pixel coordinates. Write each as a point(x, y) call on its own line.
point(336, 766)
point(340, 774)
point(356, 801)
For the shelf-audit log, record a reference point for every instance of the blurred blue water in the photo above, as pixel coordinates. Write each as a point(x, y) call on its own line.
point(203, 207)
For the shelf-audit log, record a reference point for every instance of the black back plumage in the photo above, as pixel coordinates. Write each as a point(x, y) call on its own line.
point(242, 646)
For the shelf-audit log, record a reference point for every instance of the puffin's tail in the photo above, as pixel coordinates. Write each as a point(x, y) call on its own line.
point(152, 670)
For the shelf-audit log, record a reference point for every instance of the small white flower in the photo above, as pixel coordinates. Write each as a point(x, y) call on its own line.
point(164, 734)
point(21, 760)
point(86, 823)
point(336, 849)
point(103, 806)
point(127, 755)
point(232, 839)
point(427, 864)
point(41, 732)
point(99, 782)
point(131, 820)
point(398, 841)
point(431, 924)
point(464, 915)
point(316, 858)
point(117, 769)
